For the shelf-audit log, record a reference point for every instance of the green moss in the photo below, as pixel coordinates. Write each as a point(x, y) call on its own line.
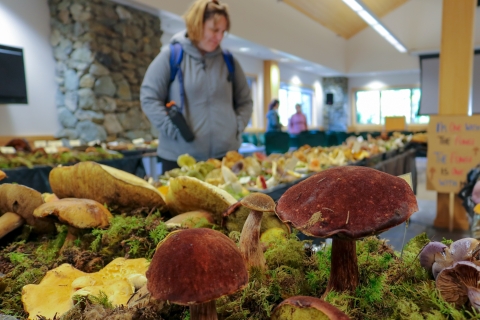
point(16, 257)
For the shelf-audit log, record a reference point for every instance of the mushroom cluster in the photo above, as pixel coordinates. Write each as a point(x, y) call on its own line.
point(436, 256)
point(456, 270)
point(346, 203)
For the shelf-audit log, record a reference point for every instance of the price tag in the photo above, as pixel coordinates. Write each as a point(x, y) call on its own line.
point(51, 149)
point(94, 142)
point(55, 143)
point(74, 143)
point(138, 141)
point(40, 143)
point(8, 150)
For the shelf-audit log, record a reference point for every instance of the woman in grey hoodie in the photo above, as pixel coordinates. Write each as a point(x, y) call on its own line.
point(216, 108)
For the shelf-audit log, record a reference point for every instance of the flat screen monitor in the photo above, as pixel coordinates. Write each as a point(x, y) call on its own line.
point(13, 87)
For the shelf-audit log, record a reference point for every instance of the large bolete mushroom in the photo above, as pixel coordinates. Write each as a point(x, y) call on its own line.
point(307, 308)
point(194, 267)
point(17, 204)
point(77, 214)
point(190, 194)
point(104, 184)
point(346, 203)
point(249, 243)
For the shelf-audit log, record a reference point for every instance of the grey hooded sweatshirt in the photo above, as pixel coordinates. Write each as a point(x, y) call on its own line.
point(215, 117)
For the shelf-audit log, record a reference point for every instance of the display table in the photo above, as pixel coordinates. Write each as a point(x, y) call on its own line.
point(37, 177)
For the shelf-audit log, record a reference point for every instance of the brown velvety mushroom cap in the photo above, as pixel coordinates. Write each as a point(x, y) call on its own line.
point(348, 202)
point(309, 302)
point(196, 266)
point(23, 200)
point(78, 213)
point(259, 202)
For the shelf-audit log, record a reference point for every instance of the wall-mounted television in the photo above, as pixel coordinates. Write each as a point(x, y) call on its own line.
point(13, 86)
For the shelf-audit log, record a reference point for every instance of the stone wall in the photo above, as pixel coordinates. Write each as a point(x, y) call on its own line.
point(102, 51)
point(335, 116)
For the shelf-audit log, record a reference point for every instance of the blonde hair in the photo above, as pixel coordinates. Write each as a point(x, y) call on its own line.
point(201, 11)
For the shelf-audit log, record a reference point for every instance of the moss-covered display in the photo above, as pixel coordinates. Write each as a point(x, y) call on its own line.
point(391, 286)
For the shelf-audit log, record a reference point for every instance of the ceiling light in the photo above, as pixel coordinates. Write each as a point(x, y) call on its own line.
point(353, 4)
point(244, 49)
point(359, 7)
point(367, 17)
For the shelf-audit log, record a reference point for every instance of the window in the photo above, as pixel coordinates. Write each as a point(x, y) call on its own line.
point(289, 96)
point(372, 106)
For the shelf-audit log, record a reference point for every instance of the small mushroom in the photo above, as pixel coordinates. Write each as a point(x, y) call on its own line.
point(346, 203)
point(464, 249)
point(190, 219)
point(427, 255)
point(455, 282)
point(3, 175)
point(194, 267)
point(77, 214)
point(302, 308)
point(249, 243)
point(17, 204)
point(442, 260)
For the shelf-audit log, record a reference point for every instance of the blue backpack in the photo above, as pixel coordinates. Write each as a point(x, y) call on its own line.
point(176, 57)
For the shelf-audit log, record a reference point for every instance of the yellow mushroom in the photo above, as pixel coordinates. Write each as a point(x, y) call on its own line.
point(52, 295)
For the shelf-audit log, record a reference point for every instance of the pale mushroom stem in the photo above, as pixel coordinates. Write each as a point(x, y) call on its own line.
point(344, 274)
point(9, 221)
point(249, 243)
point(204, 311)
point(72, 235)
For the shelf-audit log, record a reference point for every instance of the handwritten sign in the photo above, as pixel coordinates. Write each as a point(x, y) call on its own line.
point(453, 150)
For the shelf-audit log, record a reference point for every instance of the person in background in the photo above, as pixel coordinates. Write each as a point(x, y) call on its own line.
point(273, 119)
point(298, 121)
point(217, 104)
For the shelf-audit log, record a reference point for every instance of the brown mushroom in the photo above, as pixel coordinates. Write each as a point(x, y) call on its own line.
point(346, 203)
point(249, 243)
point(107, 185)
point(303, 308)
point(17, 204)
point(194, 267)
point(455, 282)
point(3, 175)
point(77, 214)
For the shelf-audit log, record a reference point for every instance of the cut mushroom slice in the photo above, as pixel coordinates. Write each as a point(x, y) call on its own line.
point(303, 308)
point(77, 214)
point(104, 184)
point(17, 204)
point(194, 267)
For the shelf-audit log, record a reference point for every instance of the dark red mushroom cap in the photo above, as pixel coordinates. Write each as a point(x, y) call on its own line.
point(196, 266)
point(348, 202)
point(286, 310)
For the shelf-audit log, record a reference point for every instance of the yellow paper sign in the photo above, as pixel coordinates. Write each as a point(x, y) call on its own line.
point(395, 123)
point(453, 150)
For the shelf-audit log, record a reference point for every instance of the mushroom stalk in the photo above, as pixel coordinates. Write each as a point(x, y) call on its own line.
point(344, 274)
point(204, 311)
point(249, 243)
point(9, 221)
point(72, 235)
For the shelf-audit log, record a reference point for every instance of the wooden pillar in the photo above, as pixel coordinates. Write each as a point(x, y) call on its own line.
point(271, 85)
point(455, 83)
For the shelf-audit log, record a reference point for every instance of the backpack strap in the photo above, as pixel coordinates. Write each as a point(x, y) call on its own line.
point(176, 57)
point(228, 57)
